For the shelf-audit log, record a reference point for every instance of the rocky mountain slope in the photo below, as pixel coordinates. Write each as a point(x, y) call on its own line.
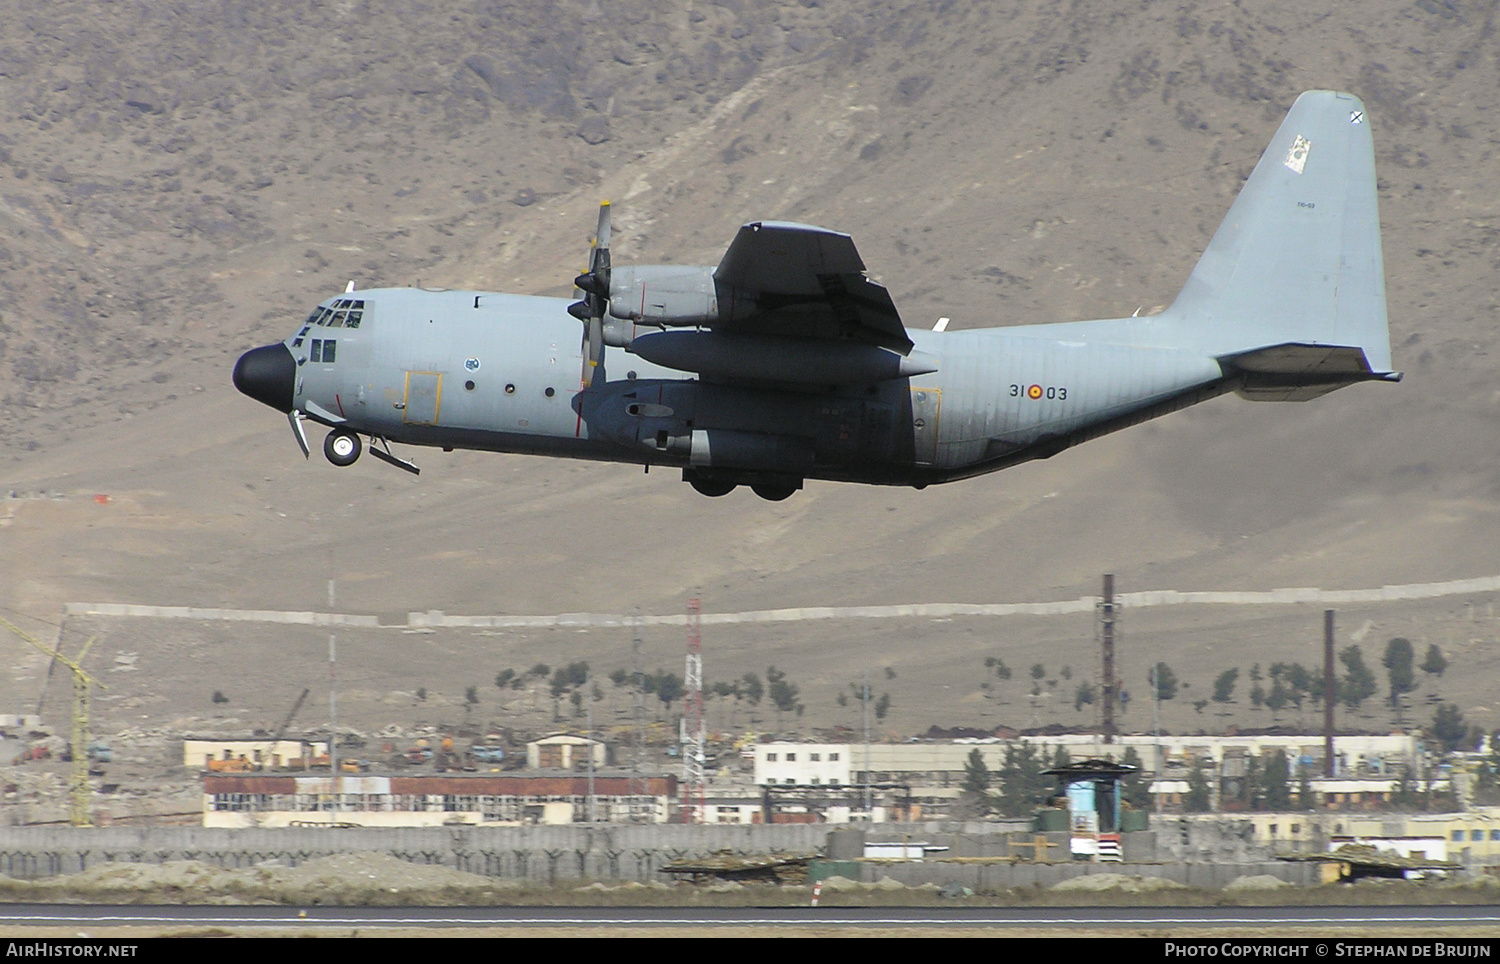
point(179, 182)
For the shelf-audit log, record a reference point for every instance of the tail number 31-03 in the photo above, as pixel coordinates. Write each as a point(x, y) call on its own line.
point(1036, 392)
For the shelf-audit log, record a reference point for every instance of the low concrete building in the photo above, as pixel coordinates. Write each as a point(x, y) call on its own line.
point(199, 753)
point(256, 800)
point(564, 751)
point(1366, 766)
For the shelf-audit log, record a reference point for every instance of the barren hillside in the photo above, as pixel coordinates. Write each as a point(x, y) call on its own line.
point(178, 182)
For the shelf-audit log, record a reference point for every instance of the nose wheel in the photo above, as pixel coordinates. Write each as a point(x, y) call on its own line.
point(342, 447)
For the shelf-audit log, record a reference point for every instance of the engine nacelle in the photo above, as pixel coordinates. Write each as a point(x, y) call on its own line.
point(664, 295)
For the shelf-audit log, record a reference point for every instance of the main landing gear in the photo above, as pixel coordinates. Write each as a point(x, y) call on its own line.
point(772, 488)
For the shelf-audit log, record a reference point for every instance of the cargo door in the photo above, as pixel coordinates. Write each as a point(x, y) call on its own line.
point(423, 395)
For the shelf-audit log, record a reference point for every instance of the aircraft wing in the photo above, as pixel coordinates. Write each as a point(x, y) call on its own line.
point(797, 280)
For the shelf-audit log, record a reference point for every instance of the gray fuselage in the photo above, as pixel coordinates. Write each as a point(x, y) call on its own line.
point(498, 372)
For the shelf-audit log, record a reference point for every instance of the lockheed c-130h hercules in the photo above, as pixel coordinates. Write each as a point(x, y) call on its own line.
point(786, 363)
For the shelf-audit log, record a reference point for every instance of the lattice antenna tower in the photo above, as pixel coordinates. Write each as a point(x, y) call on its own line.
point(692, 738)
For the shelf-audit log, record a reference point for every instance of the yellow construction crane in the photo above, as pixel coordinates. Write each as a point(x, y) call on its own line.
point(78, 790)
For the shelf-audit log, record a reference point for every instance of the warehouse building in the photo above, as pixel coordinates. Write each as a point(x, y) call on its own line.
point(484, 800)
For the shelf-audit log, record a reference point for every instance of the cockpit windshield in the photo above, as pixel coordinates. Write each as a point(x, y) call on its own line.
point(343, 313)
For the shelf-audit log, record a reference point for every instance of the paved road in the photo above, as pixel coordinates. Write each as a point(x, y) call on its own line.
point(1133, 600)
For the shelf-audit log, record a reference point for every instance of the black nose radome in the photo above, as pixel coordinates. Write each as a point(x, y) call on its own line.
point(268, 375)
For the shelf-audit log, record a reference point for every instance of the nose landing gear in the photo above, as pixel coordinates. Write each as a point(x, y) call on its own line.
point(342, 447)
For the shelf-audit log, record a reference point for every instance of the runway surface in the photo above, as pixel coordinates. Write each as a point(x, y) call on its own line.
point(1261, 918)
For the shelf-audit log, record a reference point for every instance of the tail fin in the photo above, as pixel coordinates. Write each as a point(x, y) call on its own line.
point(1291, 290)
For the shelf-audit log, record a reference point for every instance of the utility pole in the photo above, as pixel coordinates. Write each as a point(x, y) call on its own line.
point(1328, 691)
point(864, 703)
point(638, 710)
point(1107, 617)
point(692, 736)
point(593, 797)
point(333, 713)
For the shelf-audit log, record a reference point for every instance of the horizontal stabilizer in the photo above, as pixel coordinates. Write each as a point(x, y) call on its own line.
point(1298, 372)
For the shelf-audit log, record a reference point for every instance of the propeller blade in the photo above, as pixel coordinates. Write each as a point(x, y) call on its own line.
point(595, 287)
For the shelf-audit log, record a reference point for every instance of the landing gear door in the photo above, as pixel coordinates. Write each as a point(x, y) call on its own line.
point(926, 408)
point(423, 395)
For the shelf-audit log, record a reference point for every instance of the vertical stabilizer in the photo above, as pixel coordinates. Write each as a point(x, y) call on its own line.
point(1297, 265)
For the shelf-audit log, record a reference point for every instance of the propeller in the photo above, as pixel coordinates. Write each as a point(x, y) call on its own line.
point(594, 284)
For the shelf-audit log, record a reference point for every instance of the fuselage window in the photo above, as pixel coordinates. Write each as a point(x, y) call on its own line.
point(337, 321)
point(317, 350)
point(355, 316)
point(328, 347)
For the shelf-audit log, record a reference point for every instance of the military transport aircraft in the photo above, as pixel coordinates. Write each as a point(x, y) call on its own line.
point(785, 362)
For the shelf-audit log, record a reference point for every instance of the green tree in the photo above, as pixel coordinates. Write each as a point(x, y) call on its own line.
point(1304, 788)
point(1398, 662)
point(1449, 728)
point(974, 797)
point(506, 678)
point(1084, 695)
point(1164, 680)
point(1224, 685)
point(1135, 788)
point(1279, 697)
point(752, 689)
point(1276, 778)
point(1022, 786)
point(1434, 663)
point(1199, 798)
point(1358, 683)
point(882, 706)
point(667, 687)
point(1038, 671)
point(783, 694)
